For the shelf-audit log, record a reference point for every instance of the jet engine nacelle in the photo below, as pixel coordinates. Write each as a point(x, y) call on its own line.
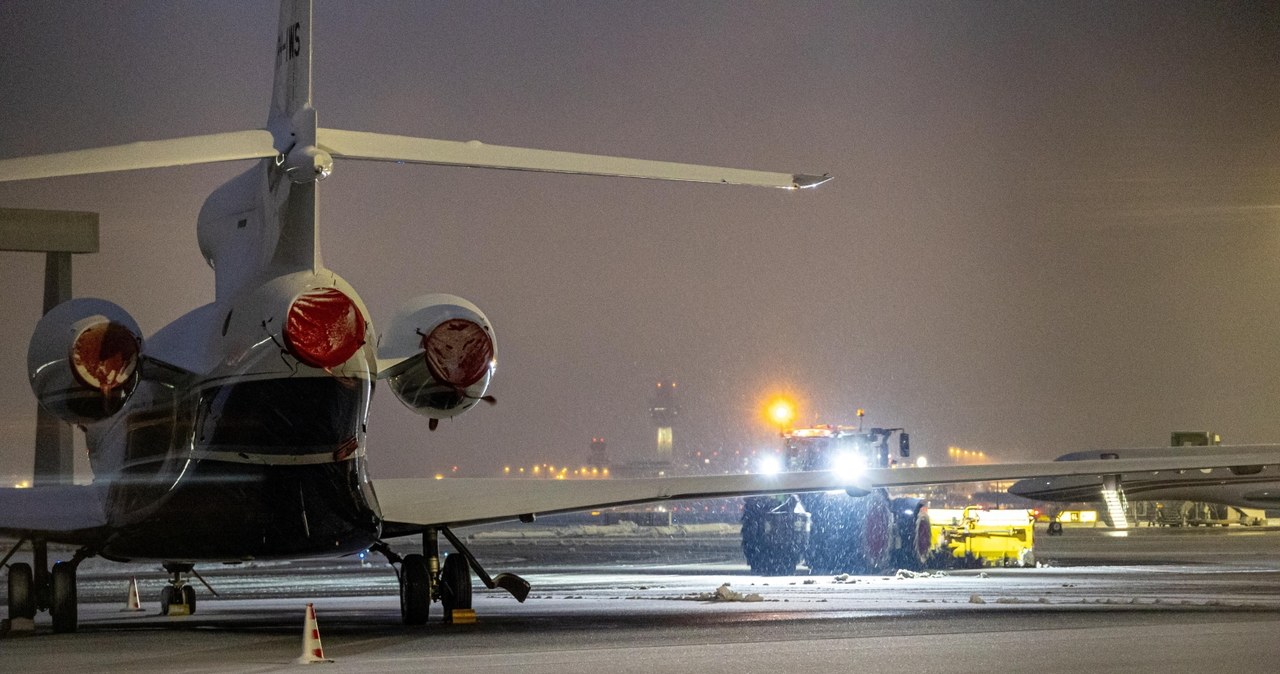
point(439, 352)
point(83, 360)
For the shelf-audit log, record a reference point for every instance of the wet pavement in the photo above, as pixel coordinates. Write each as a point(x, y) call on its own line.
point(1153, 600)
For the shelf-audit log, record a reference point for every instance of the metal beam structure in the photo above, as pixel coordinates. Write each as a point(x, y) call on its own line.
point(57, 234)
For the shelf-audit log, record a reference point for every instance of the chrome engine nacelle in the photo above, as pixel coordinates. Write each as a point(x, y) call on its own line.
point(83, 360)
point(438, 355)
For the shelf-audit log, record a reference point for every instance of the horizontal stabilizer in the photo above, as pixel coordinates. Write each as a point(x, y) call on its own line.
point(474, 154)
point(147, 154)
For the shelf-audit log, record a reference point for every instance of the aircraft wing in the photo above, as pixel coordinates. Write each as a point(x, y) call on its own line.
point(474, 154)
point(62, 513)
point(409, 503)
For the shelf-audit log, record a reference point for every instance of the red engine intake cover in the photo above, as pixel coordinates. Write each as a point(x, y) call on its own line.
point(324, 328)
point(104, 356)
point(458, 352)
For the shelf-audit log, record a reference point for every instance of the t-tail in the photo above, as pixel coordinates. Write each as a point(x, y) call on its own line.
point(293, 139)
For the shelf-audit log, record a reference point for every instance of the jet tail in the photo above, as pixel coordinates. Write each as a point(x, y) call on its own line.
point(305, 151)
point(292, 90)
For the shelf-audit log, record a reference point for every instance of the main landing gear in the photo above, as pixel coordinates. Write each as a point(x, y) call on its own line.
point(42, 589)
point(423, 580)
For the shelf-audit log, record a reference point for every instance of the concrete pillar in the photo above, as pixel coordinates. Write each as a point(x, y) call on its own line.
point(58, 234)
point(54, 459)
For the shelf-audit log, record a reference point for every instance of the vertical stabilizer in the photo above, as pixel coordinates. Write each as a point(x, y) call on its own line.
point(293, 60)
point(290, 198)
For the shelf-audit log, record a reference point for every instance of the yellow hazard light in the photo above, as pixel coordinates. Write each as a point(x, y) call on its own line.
point(782, 412)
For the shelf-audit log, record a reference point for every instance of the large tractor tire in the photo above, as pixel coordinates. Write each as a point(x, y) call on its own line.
point(830, 535)
point(774, 536)
point(871, 529)
point(850, 534)
point(915, 536)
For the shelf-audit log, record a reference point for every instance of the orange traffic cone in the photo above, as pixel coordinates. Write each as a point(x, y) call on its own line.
point(132, 603)
point(312, 651)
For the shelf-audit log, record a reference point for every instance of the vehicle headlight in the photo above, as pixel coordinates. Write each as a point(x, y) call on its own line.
point(769, 465)
point(848, 466)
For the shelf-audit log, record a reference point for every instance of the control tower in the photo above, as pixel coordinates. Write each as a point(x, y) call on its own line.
point(663, 411)
point(599, 457)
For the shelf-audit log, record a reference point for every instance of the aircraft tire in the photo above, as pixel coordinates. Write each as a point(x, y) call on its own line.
point(456, 578)
point(166, 596)
point(415, 590)
point(22, 598)
point(189, 598)
point(63, 591)
point(915, 535)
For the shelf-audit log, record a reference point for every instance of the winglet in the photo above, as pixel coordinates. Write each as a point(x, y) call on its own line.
point(803, 181)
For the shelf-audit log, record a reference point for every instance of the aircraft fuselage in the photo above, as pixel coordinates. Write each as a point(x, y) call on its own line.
point(259, 456)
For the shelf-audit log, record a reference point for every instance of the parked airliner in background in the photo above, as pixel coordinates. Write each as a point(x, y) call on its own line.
point(1238, 486)
point(238, 431)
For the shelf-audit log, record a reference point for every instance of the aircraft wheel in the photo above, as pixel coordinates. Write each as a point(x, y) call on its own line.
point(415, 590)
point(915, 534)
point(189, 598)
point(166, 597)
point(63, 606)
point(22, 598)
point(456, 579)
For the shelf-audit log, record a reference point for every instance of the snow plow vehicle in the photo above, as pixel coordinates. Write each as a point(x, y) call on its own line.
point(834, 532)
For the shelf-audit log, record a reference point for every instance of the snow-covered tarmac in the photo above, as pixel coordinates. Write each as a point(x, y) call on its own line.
point(1160, 601)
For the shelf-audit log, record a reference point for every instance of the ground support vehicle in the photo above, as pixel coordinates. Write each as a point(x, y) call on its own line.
point(834, 532)
point(973, 537)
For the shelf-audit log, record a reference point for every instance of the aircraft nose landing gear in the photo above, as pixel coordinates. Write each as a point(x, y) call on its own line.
point(179, 597)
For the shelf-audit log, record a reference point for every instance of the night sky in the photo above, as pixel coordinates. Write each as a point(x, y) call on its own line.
point(1054, 226)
